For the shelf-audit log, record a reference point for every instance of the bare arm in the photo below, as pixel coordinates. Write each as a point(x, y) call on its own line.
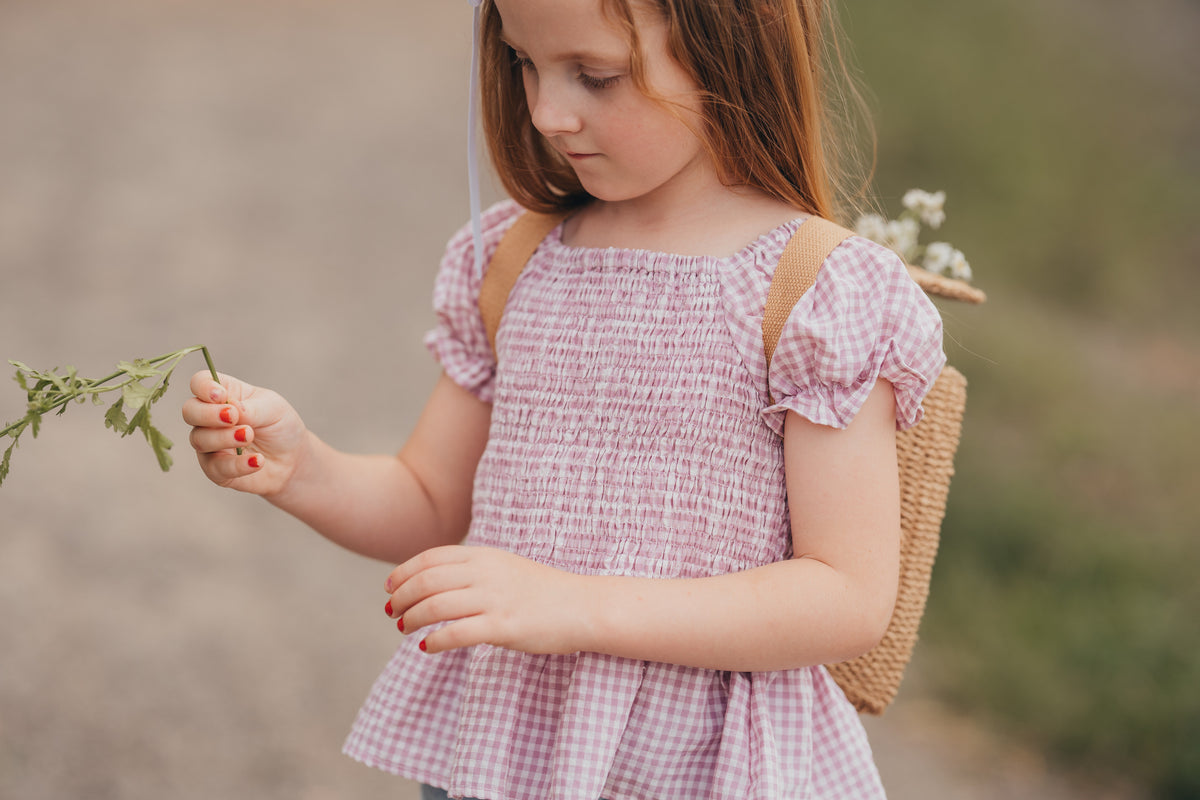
point(831, 602)
point(381, 506)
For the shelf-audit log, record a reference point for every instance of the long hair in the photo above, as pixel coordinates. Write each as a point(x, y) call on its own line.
point(779, 107)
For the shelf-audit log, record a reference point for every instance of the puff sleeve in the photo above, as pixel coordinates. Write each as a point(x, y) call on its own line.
point(864, 319)
point(458, 341)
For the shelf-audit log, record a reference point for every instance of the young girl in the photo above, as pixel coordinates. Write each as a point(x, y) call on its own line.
point(621, 563)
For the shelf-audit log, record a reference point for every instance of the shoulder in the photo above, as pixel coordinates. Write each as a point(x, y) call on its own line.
point(863, 318)
point(856, 269)
point(494, 223)
point(862, 278)
point(856, 261)
point(459, 341)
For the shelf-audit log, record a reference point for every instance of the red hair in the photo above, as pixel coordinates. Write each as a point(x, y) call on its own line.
point(774, 95)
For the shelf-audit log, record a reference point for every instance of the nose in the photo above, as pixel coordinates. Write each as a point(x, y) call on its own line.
point(552, 108)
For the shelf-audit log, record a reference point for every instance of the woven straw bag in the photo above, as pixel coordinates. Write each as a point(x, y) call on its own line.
point(925, 456)
point(925, 452)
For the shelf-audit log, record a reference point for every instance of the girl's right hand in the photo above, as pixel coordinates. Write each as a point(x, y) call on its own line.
point(231, 414)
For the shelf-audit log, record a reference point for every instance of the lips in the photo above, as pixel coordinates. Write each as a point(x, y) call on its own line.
point(574, 155)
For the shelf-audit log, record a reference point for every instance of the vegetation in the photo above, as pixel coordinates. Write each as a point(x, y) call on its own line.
point(50, 390)
point(1063, 604)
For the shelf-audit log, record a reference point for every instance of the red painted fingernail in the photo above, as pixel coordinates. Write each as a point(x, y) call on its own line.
point(400, 625)
point(388, 608)
point(422, 646)
point(240, 434)
point(255, 462)
point(227, 415)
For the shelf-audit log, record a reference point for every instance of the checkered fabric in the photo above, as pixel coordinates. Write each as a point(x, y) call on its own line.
point(632, 434)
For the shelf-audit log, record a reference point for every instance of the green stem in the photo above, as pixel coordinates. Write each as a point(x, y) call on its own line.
point(93, 386)
point(208, 360)
point(15, 425)
point(213, 371)
point(69, 398)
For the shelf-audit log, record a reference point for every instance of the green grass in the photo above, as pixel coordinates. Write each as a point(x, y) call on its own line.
point(1063, 607)
point(1068, 169)
point(1064, 599)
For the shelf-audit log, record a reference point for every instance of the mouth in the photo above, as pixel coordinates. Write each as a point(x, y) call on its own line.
point(579, 156)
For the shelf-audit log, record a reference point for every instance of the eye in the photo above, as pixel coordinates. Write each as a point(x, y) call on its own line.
point(592, 82)
point(520, 61)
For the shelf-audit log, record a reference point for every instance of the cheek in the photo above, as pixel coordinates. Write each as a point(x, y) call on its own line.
point(665, 139)
point(529, 81)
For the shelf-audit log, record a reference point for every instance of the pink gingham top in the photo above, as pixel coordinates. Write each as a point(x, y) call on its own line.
point(631, 434)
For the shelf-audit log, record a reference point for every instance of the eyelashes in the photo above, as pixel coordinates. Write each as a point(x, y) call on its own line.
point(592, 82)
point(588, 81)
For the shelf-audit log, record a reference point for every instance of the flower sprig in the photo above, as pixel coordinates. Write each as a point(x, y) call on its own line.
point(902, 234)
point(137, 384)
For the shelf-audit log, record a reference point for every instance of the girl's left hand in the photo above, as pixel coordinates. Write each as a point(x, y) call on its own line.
point(489, 596)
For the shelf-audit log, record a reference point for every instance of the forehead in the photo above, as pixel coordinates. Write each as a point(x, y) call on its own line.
point(562, 28)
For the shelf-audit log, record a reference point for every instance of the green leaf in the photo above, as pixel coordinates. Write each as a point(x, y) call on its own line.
point(140, 419)
point(136, 395)
point(161, 445)
point(115, 418)
point(138, 368)
point(57, 380)
point(161, 389)
point(6, 460)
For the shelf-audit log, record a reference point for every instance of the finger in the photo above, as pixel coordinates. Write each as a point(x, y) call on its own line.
point(426, 560)
point(442, 607)
point(466, 632)
point(225, 467)
point(429, 583)
point(215, 440)
point(227, 389)
point(200, 414)
point(204, 388)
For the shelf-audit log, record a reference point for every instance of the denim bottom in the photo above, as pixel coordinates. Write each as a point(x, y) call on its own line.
point(434, 793)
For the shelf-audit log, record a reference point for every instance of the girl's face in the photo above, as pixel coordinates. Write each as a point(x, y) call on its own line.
point(576, 64)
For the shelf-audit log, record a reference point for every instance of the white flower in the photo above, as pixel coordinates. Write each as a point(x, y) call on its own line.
point(959, 268)
point(902, 236)
point(873, 227)
point(930, 207)
point(938, 256)
point(915, 199)
point(921, 208)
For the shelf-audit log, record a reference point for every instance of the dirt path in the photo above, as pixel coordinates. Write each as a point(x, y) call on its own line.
point(276, 181)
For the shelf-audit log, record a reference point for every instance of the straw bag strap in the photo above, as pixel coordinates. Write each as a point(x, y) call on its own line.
point(516, 248)
point(795, 274)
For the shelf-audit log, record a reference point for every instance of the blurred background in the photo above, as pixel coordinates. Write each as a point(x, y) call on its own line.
point(277, 181)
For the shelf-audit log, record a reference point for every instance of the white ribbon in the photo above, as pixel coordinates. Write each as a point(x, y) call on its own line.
point(472, 152)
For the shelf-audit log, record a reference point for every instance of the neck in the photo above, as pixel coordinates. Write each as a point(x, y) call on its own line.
point(717, 221)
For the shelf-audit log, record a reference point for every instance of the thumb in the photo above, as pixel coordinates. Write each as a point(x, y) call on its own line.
point(228, 390)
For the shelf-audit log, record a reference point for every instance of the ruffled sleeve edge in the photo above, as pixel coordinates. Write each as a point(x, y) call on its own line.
point(907, 352)
point(458, 340)
point(837, 406)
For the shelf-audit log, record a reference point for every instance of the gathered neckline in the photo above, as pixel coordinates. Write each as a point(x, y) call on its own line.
point(635, 256)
